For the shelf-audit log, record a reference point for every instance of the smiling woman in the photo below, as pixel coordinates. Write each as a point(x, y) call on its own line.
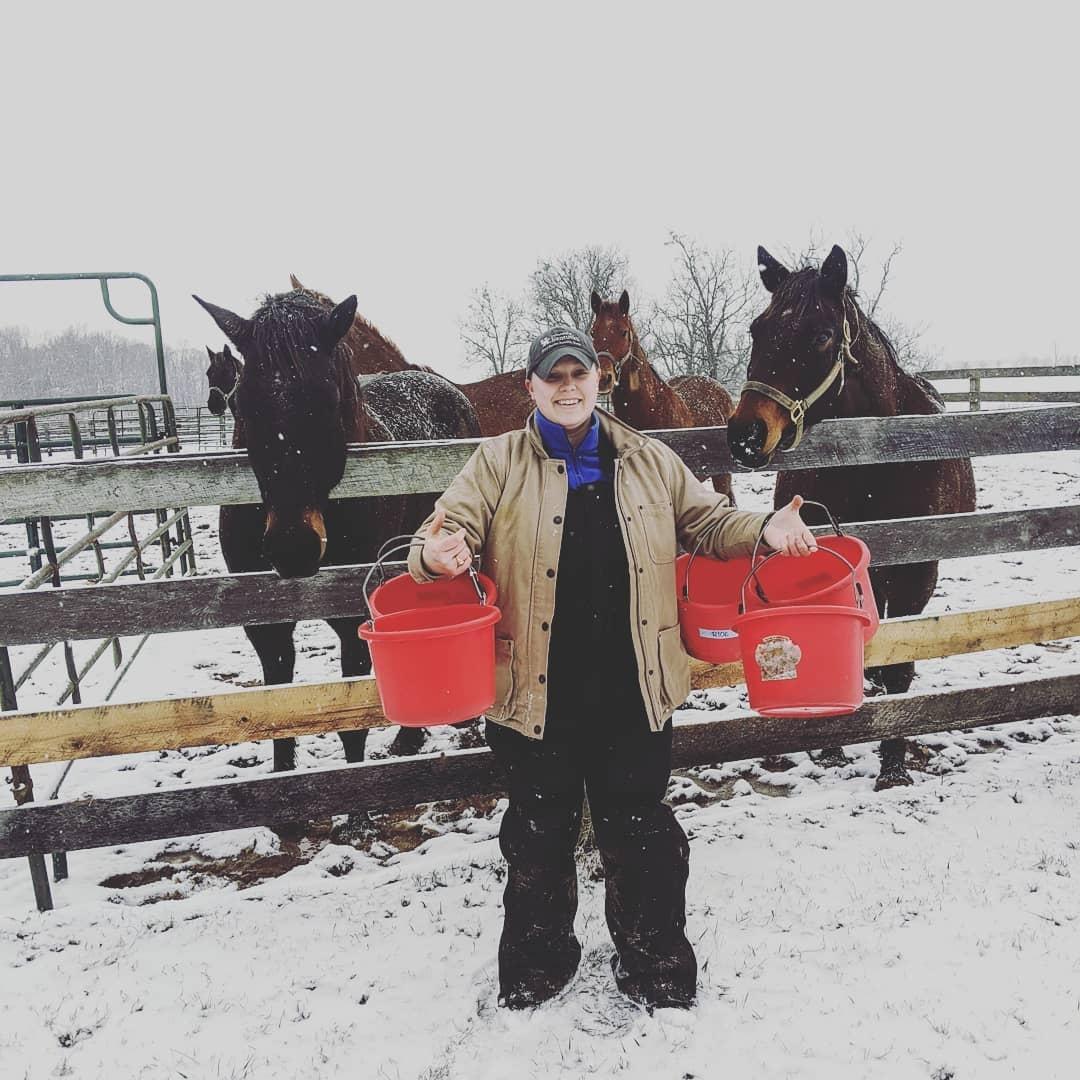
point(577, 518)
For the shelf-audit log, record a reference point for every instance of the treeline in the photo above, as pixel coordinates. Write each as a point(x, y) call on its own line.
point(78, 363)
point(699, 325)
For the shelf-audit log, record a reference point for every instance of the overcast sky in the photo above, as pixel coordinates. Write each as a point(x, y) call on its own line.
point(410, 153)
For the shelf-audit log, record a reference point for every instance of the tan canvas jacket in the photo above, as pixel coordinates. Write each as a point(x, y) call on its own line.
point(511, 498)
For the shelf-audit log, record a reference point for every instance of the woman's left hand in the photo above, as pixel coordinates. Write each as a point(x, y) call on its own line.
point(787, 532)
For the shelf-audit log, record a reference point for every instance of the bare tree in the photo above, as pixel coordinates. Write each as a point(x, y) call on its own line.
point(495, 332)
point(559, 289)
point(700, 327)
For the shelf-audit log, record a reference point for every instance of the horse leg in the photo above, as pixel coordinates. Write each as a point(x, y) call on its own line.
point(274, 646)
point(722, 484)
point(355, 660)
point(902, 590)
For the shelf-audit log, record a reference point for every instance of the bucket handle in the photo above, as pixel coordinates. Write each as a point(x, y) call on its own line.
point(856, 587)
point(757, 547)
point(405, 542)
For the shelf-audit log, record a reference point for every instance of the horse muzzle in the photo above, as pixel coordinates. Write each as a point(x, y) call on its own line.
point(295, 547)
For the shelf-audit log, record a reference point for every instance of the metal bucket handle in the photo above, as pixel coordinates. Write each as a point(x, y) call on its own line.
point(405, 542)
point(856, 587)
point(754, 554)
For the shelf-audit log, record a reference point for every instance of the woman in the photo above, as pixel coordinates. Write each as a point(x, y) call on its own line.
point(578, 519)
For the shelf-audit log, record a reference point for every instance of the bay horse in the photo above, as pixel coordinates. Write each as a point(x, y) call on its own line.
point(370, 350)
point(639, 396)
point(501, 402)
point(300, 405)
point(815, 355)
point(222, 374)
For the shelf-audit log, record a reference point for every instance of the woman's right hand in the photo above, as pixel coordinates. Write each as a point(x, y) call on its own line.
point(447, 556)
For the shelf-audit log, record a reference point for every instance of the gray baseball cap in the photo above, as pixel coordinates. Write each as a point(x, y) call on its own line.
point(548, 348)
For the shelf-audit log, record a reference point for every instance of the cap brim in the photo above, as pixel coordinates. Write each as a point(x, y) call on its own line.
point(543, 369)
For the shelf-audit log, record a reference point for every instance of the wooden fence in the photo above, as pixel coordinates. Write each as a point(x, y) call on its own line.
point(32, 737)
point(975, 394)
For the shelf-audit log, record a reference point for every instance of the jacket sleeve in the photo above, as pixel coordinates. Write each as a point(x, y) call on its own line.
point(469, 503)
point(708, 517)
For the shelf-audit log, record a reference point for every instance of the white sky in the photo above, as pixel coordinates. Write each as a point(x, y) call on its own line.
point(410, 154)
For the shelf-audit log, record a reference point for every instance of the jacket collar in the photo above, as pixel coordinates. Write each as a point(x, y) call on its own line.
point(623, 438)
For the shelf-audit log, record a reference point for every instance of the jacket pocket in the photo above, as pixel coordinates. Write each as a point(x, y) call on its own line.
point(674, 666)
point(504, 677)
point(658, 523)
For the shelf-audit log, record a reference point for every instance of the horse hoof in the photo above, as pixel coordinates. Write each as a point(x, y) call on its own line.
point(407, 742)
point(832, 757)
point(890, 778)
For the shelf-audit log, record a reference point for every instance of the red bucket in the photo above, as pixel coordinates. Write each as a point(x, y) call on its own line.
point(706, 613)
point(401, 593)
point(817, 578)
point(434, 665)
point(804, 660)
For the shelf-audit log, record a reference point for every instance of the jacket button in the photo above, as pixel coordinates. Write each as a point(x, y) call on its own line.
point(543, 626)
point(551, 573)
point(641, 569)
point(561, 470)
point(543, 678)
point(651, 673)
point(644, 622)
point(558, 520)
point(537, 729)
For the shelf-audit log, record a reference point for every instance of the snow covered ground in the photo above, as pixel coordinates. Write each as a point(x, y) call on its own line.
point(929, 932)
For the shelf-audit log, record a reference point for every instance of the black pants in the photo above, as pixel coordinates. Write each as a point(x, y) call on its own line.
point(643, 848)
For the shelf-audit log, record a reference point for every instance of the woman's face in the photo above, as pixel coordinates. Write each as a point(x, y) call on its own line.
point(567, 396)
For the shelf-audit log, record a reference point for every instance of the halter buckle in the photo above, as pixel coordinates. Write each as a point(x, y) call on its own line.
point(798, 411)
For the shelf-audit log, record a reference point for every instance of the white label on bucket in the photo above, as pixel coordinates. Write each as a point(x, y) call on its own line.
point(716, 634)
point(777, 658)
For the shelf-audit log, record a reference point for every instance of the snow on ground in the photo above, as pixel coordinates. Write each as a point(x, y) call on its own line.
point(932, 931)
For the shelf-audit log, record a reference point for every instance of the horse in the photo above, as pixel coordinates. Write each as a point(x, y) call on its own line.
point(300, 404)
point(501, 402)
point(639, 396)
point(815, 355)
point(371, 351)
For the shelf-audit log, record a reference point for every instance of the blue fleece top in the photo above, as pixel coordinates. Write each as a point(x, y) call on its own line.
point(583, 462)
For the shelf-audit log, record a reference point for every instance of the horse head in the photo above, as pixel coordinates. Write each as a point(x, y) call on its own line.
point(298, 401)
point(801, 346)
point(614, 338)
point(223, 373)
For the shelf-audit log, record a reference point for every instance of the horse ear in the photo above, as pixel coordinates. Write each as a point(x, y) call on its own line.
point(237, 330)
point(624, 303)
point(210, 352)
point(294, 281)
point(227, 352)
point(595, 299)
point(773, 272)
point(834, 272)
point(338, 323)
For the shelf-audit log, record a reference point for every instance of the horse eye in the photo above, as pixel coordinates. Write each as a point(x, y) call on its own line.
point(823, 338)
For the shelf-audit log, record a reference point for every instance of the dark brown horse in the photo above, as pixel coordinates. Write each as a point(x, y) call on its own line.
point(815, 350)
point(300, 404)
point(223, 373)
point(639, 396)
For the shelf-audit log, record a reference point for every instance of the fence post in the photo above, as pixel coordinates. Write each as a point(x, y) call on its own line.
point(974, 386)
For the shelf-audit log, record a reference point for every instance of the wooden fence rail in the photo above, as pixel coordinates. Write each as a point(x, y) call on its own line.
point(316, 794)
point(402, 468)
point(221, 600)
point(975, 395)
point(86, 731)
